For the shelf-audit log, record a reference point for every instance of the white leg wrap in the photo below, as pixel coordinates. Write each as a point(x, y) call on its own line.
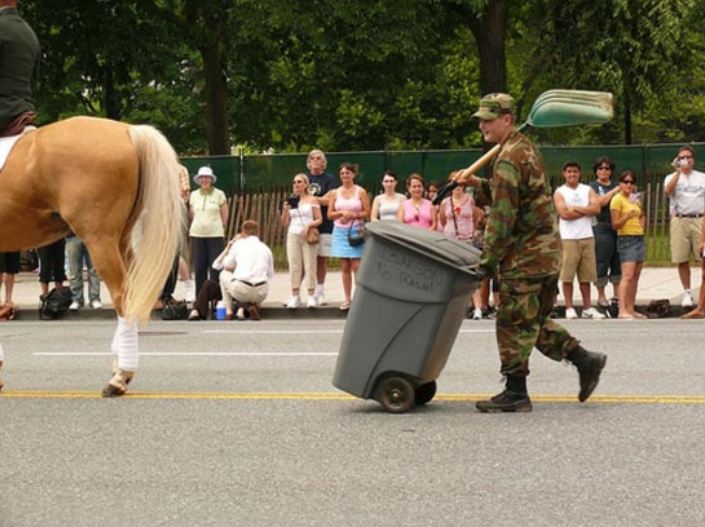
point(2, 354)
point(125, 345)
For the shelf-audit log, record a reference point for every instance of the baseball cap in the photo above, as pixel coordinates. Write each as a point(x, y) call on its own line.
point(493, 105)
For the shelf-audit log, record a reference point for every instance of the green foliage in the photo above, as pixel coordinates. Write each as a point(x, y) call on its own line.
point(289, 75)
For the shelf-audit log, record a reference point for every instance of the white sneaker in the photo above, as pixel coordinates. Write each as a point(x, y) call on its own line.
point(687, 299)
point(320, 299)
point(240, 315)
point(477, 314)
point(592, 313)
point(311, 302)
point(190, 287)
point(570, 313)
point(293, 302)
point(95, 304)
point(75, 306)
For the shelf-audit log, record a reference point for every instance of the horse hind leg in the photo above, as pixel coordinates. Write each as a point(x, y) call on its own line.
point(125, 358)
point(110, 265)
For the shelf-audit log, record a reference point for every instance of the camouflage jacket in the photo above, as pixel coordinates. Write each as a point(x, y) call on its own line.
point(521, 234)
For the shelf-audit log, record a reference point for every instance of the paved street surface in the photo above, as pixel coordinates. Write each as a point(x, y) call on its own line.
point(238, 424)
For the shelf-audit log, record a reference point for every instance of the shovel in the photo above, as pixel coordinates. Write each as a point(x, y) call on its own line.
point(552, 108)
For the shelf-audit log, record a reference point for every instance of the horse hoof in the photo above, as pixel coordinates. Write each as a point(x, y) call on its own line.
point(112, 391)
point(117, 385)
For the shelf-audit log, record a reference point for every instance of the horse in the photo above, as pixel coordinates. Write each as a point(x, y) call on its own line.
point(113, 184)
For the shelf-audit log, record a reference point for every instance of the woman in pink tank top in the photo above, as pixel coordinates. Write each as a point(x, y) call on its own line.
point(349, 208)
point(417, 210)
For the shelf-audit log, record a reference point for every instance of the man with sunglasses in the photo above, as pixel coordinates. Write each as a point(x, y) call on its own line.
point(522, 238)
point(686, 189)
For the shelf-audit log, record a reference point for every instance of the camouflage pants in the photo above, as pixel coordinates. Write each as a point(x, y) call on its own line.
point(523, 323)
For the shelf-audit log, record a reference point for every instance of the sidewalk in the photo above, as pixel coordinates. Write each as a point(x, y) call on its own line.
point(655, 283)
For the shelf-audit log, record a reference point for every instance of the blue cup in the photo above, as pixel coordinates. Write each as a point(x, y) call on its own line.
point(220, 311)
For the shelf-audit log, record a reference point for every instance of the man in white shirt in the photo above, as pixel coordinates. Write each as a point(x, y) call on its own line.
point(577, 204)
point(247, 266)
point(686, 189)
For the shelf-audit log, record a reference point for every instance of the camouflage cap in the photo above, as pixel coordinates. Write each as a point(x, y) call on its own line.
point(493, 105)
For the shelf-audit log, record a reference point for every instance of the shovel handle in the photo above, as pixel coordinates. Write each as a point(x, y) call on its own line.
point(463, 176)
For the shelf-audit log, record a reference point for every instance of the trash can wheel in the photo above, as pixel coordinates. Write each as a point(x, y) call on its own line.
point(396, 395)
point(425, 393)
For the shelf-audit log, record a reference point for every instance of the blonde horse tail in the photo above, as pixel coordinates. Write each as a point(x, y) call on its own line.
point(159, 227)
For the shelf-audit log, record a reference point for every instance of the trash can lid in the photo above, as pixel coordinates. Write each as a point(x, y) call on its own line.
point(427, 242)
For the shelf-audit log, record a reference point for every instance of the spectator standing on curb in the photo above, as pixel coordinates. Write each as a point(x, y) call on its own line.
point(301, 214)
point(606, 255)
point(417, 210)
point(9, 267)
point(629, 220)
point(208, 210)
point(321, 183)
point(686, 189)
point(51, 265)
point(521, 238)
point(699, 311)
point(576, 204)
point(458, 216)
point(431, 192)
point(349, 208)
point(78, 256)
point(386, 205)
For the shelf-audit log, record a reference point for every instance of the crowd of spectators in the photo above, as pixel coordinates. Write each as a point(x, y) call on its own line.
point(601, 223)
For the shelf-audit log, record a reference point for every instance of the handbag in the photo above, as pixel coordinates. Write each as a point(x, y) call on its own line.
point(313, 235)
point(356, 238)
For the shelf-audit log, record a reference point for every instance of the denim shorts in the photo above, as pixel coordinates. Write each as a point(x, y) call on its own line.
point(631, 248)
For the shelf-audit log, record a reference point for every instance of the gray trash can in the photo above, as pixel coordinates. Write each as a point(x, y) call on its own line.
point(413, 287)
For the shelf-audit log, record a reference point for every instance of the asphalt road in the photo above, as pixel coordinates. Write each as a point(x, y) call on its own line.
point(238, 424)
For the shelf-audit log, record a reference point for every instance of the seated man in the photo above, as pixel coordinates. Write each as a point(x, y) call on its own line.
point(246, 269)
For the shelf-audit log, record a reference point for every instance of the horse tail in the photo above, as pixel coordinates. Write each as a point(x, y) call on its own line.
point(160, 219)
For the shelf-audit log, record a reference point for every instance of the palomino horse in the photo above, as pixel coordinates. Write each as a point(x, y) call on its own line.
point(102, 180)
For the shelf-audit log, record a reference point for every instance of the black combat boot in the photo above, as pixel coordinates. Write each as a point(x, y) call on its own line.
point(590, 365)
point(513, 399)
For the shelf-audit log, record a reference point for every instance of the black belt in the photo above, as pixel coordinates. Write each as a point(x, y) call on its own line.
point(689, 215)
point(250, 284)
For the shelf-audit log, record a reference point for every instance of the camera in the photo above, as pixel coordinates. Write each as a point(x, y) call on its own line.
point(293, 201)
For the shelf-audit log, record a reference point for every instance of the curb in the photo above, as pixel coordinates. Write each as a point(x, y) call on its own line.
point(276, 313)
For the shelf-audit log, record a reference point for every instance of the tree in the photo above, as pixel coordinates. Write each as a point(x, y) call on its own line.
point(628, 47)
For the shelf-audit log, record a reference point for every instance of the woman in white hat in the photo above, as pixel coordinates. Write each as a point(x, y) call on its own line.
point(208, 210)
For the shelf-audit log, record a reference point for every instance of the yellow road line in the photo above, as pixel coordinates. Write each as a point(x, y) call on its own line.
point(334, 396)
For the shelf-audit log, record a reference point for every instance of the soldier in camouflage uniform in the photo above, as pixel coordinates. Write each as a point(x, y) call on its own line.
point(522, 239)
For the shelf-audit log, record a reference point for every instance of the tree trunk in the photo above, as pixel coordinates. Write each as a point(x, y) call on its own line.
point(216, 100)
point(113, 109)
point(489, 30)
point(627, 116)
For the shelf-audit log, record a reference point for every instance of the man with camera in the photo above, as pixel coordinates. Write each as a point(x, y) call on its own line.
point(686, 189)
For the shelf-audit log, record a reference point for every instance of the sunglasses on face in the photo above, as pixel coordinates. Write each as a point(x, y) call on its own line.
point(629, 182)
point(297, 181)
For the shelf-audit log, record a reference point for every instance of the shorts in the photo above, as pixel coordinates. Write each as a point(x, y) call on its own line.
point(685, 235)
point(631, 248)
point(10, 263)
point(325, 245)
point(579, 258)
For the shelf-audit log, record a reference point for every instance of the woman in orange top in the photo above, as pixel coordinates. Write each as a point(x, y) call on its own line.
point(628, 220)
